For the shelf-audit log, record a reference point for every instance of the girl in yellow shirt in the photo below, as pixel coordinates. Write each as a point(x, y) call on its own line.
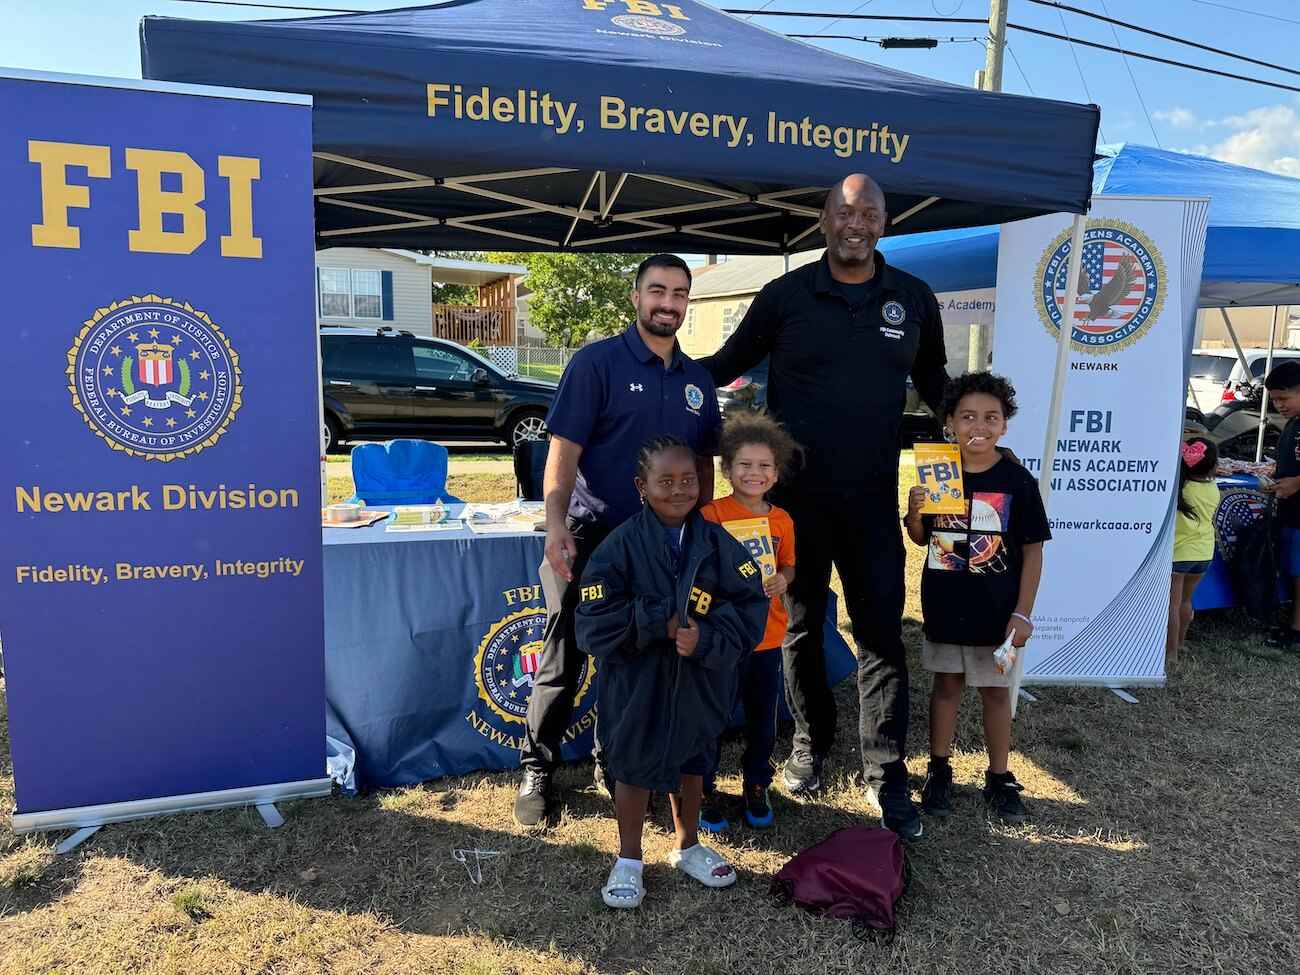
point(1198, 499)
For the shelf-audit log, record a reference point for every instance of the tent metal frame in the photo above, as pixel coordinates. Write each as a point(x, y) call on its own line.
point(599, 216)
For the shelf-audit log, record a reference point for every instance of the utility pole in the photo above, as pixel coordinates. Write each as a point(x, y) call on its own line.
point(997, 44)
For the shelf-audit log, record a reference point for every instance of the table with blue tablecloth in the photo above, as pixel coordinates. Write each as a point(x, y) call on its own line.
point(1240, 501)
point(431, 641)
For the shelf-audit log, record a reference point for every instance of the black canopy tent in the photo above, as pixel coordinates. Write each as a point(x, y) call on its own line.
point(593, 125)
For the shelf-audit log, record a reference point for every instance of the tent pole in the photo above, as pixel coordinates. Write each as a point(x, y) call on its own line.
point(1062, 357)
point(1263, 393)
point(1064, 335)
point(1232, 334)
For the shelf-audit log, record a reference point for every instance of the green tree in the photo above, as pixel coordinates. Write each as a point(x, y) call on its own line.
point(576, 294)
point(455, 294)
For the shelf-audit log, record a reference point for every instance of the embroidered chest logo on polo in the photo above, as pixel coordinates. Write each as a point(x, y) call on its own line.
point(893, 312)
point(635, 388)
point(694, 396)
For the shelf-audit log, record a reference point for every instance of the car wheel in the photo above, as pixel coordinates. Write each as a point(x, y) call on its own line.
point(526, 426)
point(333, 434)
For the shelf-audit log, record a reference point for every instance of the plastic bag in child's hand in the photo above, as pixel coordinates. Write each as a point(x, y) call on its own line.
point(857, 874)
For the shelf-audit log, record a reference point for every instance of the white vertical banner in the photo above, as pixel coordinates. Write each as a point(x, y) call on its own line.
point(1101, 610)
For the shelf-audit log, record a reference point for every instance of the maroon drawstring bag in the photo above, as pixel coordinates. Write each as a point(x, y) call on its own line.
point(857, 873)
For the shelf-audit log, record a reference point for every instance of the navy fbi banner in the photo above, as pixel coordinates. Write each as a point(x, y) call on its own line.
point(160, 580)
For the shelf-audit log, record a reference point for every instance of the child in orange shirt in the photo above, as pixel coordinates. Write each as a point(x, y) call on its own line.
point(755, 449)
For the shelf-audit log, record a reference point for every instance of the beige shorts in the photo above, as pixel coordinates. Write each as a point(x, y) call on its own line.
point(975, 662)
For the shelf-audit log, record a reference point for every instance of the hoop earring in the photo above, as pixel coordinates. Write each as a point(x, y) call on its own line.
point(949, 436)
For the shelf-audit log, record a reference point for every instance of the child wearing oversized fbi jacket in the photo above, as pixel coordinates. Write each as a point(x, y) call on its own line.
point(669, 605)
point(755, 450)
point(978, 587)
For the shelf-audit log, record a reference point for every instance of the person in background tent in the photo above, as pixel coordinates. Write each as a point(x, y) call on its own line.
point(1283, 385)
point(1198, 500)
point(614, 395)
point(669, 605)
point(842, 335)
point(978, 587)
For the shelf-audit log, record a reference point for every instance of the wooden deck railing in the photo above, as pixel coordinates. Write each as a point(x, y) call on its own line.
point(491, 324)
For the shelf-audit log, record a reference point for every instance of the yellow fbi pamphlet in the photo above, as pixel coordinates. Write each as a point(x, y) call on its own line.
point(756, 536)
point(938, 470)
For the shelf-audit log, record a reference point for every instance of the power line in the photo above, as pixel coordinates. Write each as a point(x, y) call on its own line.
point(856, 16)
point(1152, 57)
point(1024, 77)
point(1136, 89)
point(1239, 10)
point(1155, 33)
point(1079, 68)
point(877, 38)
point(273, 6)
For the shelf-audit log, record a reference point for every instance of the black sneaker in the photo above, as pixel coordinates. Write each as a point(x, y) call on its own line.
point(711, 818)
point(536, 797)
point(758, 806)
point(897, 814)
point(1002, 793)
point(1284, 639)
point(936, 794)
point(802, 773)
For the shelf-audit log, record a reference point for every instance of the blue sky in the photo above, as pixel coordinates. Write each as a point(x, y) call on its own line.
point(1230, 120)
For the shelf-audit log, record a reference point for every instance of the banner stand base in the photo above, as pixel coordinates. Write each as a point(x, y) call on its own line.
point(86, 819)
point(76, 839)
point(1124, 695)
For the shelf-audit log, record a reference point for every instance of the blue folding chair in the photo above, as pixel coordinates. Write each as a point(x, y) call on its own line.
point(400, 472)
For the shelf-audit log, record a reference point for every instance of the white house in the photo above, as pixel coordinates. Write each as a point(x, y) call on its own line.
point(365, 285)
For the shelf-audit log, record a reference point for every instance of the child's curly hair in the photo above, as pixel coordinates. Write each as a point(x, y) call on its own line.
point(758, 428)
point(978, 382)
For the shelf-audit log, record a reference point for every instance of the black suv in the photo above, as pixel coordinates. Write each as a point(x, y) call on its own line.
point(381, 383)
point(749, 392)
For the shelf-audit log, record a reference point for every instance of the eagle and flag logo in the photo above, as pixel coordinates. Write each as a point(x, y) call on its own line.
point(1121, 286)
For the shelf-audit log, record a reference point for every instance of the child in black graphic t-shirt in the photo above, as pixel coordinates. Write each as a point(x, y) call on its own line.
point(978, 586)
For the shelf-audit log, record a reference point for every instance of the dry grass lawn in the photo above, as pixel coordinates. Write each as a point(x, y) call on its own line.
point(1165, 840)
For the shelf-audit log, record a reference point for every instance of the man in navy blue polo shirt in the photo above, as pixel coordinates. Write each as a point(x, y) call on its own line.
point(614, 396)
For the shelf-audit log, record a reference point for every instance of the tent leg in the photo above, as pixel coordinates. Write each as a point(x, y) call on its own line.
point(76, 839)
point(1028, 697)
point(1236, 344)
point(1063, 337)
point(270, 815)
point(1263, 393)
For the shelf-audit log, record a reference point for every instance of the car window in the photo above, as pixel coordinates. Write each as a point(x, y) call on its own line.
point(1257, 367)
point(1215, 368)
point(438, 362)
point(377, 358)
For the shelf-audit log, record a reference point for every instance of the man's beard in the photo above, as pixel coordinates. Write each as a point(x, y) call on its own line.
point(845, 255)
point(662, 329)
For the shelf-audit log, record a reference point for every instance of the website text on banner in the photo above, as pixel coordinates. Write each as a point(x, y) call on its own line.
point(1101, 610)
point(160, 579)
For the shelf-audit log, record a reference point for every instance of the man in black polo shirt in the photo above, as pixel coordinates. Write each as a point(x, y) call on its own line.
point(613, 397)
point(842, 336)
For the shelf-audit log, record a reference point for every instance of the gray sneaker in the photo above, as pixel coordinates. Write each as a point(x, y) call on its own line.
point(802, 773)
point(536, 797)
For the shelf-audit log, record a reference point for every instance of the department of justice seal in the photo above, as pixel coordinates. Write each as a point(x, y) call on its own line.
point(893, 312)
point(694, 397)
point(648, 25)
point(1121, 286)
point(154, 378)
point(507, 661)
